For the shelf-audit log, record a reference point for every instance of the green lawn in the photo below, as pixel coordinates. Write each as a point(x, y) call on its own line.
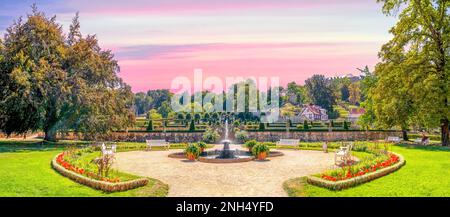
point(426, 173)
point(25, 171)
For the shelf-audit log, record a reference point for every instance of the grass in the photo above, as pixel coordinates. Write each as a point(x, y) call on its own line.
point(25, 171)
point(426, 174)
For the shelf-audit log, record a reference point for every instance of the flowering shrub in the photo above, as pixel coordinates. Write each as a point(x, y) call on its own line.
point(361, 169)
point(60, 159)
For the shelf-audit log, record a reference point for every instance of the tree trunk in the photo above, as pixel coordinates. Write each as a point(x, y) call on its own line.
point(50, 135)
point(445, 134)
point(405, 135)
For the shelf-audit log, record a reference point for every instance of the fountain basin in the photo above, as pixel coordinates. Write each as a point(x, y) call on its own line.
point(240, 156)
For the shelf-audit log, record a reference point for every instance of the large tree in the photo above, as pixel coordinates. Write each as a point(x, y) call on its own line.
point(53, 83)
point(416, 63)
point(319, 92)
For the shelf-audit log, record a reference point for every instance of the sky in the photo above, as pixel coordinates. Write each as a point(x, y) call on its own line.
point(156, 41)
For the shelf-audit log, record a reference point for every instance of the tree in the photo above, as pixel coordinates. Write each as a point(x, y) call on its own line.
point(354, 93)
point(165, 109)
point(150, 125)
point(319, 92)
point(55, 84)
point(418, 56)
point(192, 126)
point(154, 115)
point(345, 93)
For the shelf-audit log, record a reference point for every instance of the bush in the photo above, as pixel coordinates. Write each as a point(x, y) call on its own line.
point(242, 136)
point(305, 125)
point(193, 149)
point(150, 126)
point(346, 125)
point(262, 126)
point(250, 144)
point(202, 145)
point(260, 148)
point(192, 126)
point(210, 136)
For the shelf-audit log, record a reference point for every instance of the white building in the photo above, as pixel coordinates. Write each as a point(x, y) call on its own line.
point(313, 113)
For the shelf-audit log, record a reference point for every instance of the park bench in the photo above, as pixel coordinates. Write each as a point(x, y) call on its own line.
point(157, 143)
point(108, 151)
point(288, 142)
point(393, 139)
point(419, 141)
point(343, 154)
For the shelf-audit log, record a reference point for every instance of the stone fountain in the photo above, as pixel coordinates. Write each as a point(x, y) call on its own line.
point(226, 153)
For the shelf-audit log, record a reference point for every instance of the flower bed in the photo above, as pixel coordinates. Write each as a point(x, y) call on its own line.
point(364, 174)
point(92, 180)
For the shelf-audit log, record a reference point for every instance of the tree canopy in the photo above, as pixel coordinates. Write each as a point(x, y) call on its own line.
point(55, 83)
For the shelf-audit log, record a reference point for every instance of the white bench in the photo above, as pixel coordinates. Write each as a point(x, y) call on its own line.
point(288, 142)
point(108, 151)
point(393, 139)
point(343, 154)
point(419, 140)
point(157, 143)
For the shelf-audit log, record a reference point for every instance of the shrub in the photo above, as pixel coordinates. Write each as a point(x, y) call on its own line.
point(210, 136)
point(193, 149)
point(305, 125)
point(150, 126)
point(242, 136)
point(250, 144)
point(192, 126)
point(260, 148)
point(262, 126)
point(346, 125)
point(202, 146)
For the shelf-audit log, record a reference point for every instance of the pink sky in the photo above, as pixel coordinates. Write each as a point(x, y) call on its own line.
point(159, 40)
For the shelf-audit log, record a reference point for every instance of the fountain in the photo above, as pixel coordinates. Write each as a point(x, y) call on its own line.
point(226, 153)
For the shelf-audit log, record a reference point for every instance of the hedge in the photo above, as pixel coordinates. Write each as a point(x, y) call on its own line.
point(343, 184)
point(97, 184)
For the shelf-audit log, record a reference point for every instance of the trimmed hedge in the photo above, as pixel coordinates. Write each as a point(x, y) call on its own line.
point(96, 184)
point(343, 184)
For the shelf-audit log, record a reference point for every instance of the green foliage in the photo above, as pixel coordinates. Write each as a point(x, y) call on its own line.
point(150, 125)
point(250, 144)
point(305, 125)
point(202, 145)
point(210, 136)
point(192, 126)
point(260, 148)
point(241, 136)
point(262, 126)
point(413, 75)
point(55, 84)
point(193, 149)
point(346, 125)
point(319, 92)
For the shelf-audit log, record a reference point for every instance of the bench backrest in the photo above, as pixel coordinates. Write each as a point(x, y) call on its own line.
point(156, 142)
point(288, 142)
point(393, 139)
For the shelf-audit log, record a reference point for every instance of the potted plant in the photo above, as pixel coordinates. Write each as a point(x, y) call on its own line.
point(260, 151)
point(192, 152)
point(250, 144)
point(202, 146)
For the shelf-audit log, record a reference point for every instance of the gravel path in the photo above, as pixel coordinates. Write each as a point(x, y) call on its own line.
point(197, 179)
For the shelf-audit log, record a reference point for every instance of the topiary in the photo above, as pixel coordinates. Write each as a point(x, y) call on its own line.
point(305, 125)
point(262, 126)
point(192, 126)
point(150, 126)
point(346, 125)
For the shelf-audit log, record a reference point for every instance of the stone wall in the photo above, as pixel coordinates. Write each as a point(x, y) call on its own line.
point(141, 136)
point(323, 136)
point(176, 137)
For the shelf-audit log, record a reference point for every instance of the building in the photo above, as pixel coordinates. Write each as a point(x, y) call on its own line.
point(354, 114)
point(313, 113)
